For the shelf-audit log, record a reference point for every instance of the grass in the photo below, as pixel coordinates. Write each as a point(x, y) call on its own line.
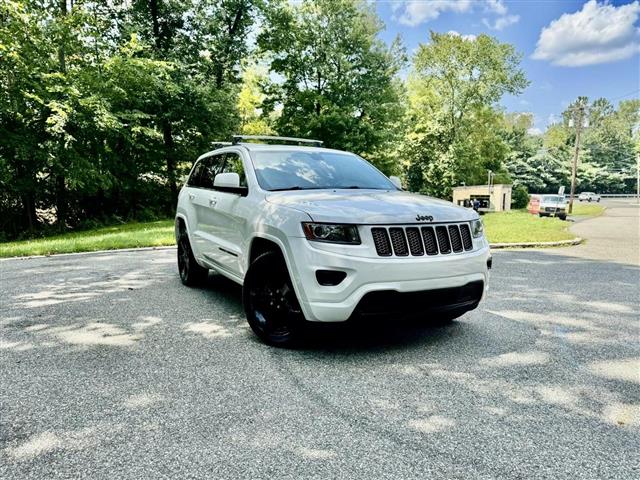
point(128, 235)
point(587, 209)
point(504, 227)
point(520, 226)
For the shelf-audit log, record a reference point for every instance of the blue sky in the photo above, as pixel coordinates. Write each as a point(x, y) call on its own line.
point(570, 48)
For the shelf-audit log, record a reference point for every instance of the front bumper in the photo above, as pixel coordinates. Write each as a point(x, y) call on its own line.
point(377, 274)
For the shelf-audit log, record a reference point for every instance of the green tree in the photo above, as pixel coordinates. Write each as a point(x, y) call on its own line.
point(454, 88)
point(337, 78)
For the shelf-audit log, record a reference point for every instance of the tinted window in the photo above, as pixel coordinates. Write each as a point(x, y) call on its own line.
point(302, 170)
point(210, 168)
point(194, 178)
point(233, 164)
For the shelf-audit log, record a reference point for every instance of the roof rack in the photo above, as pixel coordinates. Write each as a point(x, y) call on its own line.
point(241, 138)
point(217, 145)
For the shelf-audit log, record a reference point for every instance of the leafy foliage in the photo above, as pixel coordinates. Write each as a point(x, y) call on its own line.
point(104, 105)
point(454, 87)
point(338, 79)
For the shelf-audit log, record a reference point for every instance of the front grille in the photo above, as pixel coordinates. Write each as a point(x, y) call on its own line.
point(466, 236)
point(381, 241)
point(415, 244)
point(443, 240)
point(399, 242)
point(417, 241)
point(456, 239)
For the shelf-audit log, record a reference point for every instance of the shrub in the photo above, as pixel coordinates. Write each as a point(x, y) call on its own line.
point(519, 197)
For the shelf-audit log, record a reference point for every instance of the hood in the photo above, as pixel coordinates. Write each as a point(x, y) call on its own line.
point(369, 207)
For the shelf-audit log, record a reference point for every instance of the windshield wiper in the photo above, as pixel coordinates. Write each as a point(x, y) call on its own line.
point(296, 187)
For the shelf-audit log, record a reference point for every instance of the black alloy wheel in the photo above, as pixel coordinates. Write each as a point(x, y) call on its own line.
point(190, 272)
point(270, 302)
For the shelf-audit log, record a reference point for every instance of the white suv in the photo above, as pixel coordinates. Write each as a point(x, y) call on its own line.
point(319, 234)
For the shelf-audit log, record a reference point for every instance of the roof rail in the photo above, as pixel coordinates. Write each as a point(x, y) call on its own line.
point(240, 138)
point(217, 145)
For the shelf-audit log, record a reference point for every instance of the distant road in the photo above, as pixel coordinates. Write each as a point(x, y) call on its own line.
point(613, 236)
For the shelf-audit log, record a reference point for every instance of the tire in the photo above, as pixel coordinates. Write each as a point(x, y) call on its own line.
point(598, 200)
point(270, 303)
point(589, 200)
point(562, 217)
point(191, 274)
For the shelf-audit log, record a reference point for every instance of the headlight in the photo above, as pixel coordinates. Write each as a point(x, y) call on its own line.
point(477, 229)
point(325, 232)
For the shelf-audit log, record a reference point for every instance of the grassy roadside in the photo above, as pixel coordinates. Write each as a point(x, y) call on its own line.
point(520, 226)
point(128, 235)
point(505, 227)
point(587, 209)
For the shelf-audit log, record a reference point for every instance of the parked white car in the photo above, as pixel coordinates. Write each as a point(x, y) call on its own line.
point(589, 197)
point(553, 206)
point(319, 234)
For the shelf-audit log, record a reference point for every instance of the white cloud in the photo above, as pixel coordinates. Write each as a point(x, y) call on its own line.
point(469, 37)
point(599, 33)
point(416, 12)
point(501, 22)
point(553, 118)
point(534, 131)
point(496, 6)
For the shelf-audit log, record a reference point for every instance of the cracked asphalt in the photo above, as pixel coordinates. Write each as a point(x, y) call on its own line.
point(110, 368)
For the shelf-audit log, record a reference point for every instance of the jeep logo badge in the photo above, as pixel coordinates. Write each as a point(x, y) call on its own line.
point(424, 218)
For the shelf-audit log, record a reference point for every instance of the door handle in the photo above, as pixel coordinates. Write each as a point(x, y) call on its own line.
point(192, 197)
point(212, 202)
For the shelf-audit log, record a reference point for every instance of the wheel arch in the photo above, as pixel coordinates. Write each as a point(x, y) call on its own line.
point(260, 245)
point(181, 222)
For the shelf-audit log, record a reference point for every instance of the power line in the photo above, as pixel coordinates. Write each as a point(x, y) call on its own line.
point(625, 95)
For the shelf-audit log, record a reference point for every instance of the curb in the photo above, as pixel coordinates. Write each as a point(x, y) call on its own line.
point(94, 252)
point(561, 243)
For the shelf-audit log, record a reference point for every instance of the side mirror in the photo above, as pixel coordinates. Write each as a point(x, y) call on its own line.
point(227, 180)
point(396, 181)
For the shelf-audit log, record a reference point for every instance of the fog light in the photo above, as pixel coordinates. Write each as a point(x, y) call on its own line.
point(330, 278)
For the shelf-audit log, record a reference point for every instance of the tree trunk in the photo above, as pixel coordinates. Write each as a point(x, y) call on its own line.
point(61, 202)
point(29, 210)
point(169, 153)
point(61, 193)
point(153, 10)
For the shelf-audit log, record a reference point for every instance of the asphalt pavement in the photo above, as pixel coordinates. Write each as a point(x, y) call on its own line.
point(110, 368)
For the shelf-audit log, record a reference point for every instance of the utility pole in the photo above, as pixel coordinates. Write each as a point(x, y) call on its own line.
point(574, 167)
point(638, 176)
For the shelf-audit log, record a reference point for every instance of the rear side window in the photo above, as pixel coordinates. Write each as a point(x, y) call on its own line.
point(211, 167)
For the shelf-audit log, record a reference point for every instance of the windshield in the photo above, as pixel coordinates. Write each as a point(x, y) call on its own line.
point(301, 170)
point(553, 199)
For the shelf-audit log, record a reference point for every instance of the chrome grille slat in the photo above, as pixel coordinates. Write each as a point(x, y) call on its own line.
point(417, 240)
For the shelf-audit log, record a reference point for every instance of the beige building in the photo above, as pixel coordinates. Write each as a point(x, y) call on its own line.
point(494, 198)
